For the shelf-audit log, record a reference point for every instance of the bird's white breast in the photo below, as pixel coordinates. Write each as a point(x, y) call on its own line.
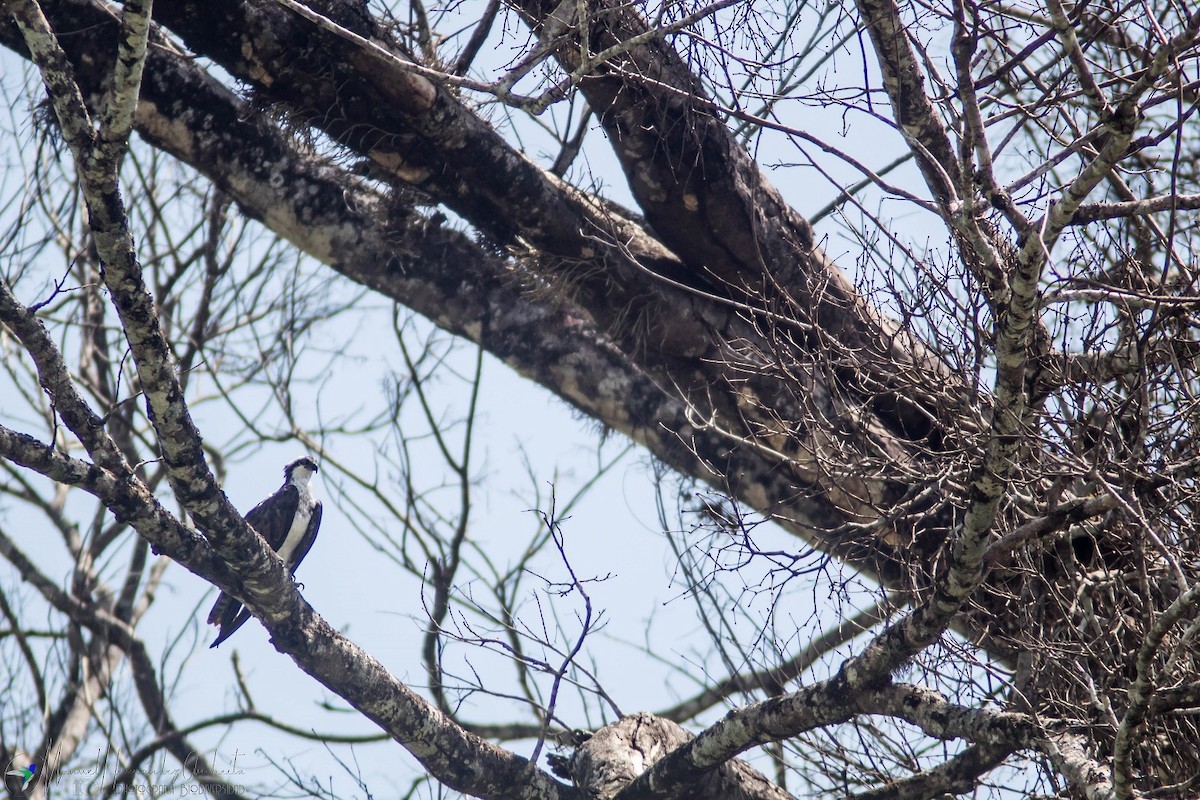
point(304, 510)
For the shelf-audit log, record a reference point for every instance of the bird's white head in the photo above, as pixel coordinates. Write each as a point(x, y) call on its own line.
point(300, 470)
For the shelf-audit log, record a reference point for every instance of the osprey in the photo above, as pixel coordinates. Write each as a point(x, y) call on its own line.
point(288, 521)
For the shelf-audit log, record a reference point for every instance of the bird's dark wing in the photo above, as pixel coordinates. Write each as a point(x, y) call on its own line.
point(270, 519)
point(273, 516)
point(310, 536)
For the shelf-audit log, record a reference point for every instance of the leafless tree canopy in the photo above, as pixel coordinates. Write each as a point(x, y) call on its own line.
point(915, 282)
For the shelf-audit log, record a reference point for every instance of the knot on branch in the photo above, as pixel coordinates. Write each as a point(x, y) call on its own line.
point(609, 762)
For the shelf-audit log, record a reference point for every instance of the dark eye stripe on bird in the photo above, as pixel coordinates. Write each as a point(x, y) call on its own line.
point(288, 520)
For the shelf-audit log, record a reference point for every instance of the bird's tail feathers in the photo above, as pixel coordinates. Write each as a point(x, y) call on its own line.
point(218, 609)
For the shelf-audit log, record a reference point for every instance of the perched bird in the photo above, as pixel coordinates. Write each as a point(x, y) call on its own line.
point(288, 521)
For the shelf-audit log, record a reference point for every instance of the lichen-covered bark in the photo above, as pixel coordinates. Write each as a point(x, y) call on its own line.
point(97, 152)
